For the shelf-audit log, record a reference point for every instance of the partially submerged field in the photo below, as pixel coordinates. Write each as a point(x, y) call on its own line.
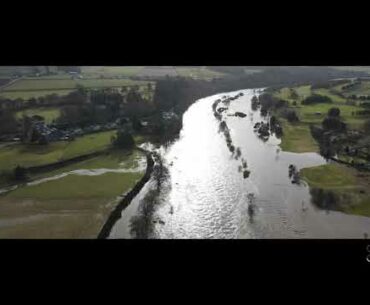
point(351, 188)
point(73, 202)
point(333, 186)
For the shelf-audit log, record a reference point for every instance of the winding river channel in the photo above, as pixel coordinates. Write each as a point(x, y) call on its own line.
point(206, 195)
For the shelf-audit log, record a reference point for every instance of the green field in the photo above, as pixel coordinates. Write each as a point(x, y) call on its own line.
point(59, 84)
point(31, 94)
point(198, 72)
point(49, 114)
point(309, 113)
point(345, 182)
point(326, 92)
point(74, 206)
point(34, 155)
point(329, 176)
point(36, 87)
point(107, 71)
point(354, 68)
point(361, 89)
point(297, 138)
point(77, 186)
point(88, 143)
point(302, 91)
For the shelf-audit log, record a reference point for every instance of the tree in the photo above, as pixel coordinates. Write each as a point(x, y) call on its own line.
point(20, 173)
point(367, 126)
point(8, 123)
point(293, 94)
point(291, 116)
point(136, 124)
point(81, 89)
point(334, 124)
point(334, 112)
point(316, 99)
point(123, 139)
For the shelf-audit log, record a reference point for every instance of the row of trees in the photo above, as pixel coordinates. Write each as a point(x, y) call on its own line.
point(8, 123)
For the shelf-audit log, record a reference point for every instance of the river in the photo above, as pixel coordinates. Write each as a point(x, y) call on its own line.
point(206, 195)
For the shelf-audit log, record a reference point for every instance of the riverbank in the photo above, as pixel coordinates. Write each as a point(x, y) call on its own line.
point(116, 214)
point(340, 185)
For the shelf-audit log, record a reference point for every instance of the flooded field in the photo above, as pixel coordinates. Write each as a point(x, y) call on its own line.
point(208, 195)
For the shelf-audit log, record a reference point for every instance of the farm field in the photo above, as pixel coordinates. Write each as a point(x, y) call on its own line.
point(35, 87)
point(35, 155)
point(74, 205)
point(110, 71)
point(60, 84)
point(354, 68)
point(197, 72)
point(25, 95)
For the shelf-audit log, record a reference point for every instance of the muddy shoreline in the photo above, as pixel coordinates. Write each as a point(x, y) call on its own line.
point(126, 200)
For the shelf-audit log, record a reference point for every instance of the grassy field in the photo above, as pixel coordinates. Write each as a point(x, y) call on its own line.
point(34, 155)
point(31, 94)
point(49, 114)
point(110, 71)
point(361, 89)
point(59, 84)
point(345, 182)
point(354, 68)
point(36, 87)
point(326, 92)
point(74, 206)
point(297, 138)
point(329, 176)
point(88, 144)
point(309, 113)
point(197, 72)
point(302, 91)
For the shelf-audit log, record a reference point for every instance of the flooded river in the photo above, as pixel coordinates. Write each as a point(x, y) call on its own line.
point(206, 195)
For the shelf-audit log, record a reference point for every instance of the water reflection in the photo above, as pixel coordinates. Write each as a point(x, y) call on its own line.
point(208, 192)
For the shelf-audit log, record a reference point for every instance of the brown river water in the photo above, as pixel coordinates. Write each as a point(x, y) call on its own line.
point(206, 194)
